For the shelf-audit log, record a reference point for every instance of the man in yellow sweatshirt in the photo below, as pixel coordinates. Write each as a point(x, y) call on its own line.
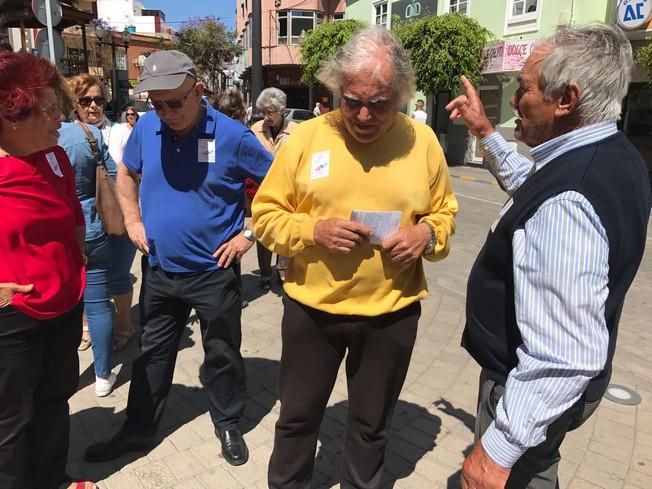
point(352, 287)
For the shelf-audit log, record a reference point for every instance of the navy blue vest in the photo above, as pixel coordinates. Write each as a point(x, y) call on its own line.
point(612, 176)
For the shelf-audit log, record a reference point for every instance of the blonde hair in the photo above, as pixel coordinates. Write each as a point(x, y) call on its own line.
point(81, 84)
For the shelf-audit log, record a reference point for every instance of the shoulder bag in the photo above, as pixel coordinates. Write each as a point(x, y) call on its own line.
point(106, 199)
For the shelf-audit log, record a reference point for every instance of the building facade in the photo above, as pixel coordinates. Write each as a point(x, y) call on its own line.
point(283, 25)
point(635, 17)
point(132, 15)
point(516, 26)
point(148, 33)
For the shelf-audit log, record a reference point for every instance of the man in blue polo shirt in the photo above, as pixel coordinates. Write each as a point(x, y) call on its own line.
point(181, 188)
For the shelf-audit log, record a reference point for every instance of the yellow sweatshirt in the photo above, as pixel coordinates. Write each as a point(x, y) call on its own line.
point(321, 172)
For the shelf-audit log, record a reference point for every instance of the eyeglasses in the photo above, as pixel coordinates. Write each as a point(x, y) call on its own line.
point(86, 101)
point(130, 114)
point(172, 104)
point(270, 112)
point(377, 106)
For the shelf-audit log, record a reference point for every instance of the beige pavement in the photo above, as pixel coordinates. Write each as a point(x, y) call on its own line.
point(433, 422)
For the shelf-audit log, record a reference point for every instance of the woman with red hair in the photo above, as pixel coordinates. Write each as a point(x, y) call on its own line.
point(41, 278)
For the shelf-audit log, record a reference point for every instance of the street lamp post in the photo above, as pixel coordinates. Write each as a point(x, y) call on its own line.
point(114, 79)
point(102, 34)
point(126, 38)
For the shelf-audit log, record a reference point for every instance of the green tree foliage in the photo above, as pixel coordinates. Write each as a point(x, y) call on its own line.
point(209, 44)
point(442, 48)
point(644, 58)
point(322, 42)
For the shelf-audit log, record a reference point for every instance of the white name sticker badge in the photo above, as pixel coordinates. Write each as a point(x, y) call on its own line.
point(54, 164)
point(320, 166)
point(206, 150)
point(503, 211)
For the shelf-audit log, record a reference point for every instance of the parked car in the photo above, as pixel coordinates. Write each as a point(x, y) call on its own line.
point(298, 115)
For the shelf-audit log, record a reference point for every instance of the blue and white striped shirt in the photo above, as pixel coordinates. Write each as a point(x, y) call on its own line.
point(561, 266)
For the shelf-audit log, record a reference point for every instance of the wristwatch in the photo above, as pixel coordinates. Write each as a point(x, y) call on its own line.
point(249, 234)
point(430, 246)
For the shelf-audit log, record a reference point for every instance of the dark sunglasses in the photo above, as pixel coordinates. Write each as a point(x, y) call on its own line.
point(131, 114)
point(86, 101)
point(174, 103)
point(372, 106)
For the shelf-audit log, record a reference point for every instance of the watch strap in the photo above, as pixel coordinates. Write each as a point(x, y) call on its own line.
point(430, 246)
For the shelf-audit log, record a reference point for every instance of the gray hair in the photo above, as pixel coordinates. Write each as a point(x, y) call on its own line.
point(272, 98)
point(359, 52)
point(597, 57)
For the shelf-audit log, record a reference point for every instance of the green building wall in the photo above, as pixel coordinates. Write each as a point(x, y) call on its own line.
point(492, 15)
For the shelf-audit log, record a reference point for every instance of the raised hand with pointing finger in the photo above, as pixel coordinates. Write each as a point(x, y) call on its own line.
point(469, 107)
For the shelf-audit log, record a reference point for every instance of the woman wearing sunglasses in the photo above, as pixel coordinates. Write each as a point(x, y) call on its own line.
point(41, 278)
point(124, 251)
point(97, 302)
point(116, 134)
point(91, 101)
point(131, 117)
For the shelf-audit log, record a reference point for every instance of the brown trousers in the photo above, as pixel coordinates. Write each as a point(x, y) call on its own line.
point(314, 344)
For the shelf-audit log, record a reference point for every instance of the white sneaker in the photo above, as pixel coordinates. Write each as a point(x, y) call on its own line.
point(103, 387)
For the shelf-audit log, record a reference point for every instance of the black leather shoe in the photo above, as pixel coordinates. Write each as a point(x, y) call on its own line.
point(118, 445)
point(234, 448)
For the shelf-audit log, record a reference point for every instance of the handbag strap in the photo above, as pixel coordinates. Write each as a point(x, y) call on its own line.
point(95, 148)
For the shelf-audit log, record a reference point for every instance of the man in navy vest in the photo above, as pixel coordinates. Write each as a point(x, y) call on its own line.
point(181, 188)
point(546, 291)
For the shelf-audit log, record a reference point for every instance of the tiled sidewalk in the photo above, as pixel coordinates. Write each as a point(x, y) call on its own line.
point(433, 422)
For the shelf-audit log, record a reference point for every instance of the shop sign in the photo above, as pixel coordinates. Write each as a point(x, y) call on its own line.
point(633, 14)
point(505, 56)
point(414, 9)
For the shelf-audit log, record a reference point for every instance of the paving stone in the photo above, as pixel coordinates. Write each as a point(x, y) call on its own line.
point(218, 478)
point(623, 456)
point(644, 439)
point(208, 453)
point(155, 475)
point(184, 465)
point(606, 464)
point(599, 477)
point(123, 480)
point(639, 479)
point(249, 474)
point(578, 483)
point(162, 450)
point(185, 437)
point(189, 484)
point(433, 424)
point(615, 427)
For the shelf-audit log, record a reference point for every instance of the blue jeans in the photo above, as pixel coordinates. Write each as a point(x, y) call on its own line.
point(123, 252)
point(97, 303)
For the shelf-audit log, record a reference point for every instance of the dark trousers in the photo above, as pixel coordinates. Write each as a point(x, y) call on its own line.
point(314, 345)
point(166, 301)
point(537, 468)
point(264, 260)
point(39, 372)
